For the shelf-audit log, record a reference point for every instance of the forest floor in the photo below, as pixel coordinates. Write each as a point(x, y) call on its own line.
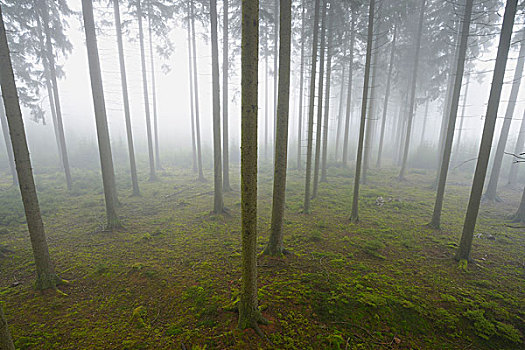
point(169, 279)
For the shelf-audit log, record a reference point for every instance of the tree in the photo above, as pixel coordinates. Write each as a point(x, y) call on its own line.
point(518, 149)
point(275, 243)
point(350, 79)
point(329, 54)
point(125, 99)
point(6, 342)
point(491, 191)
point(311, 107)
point(218, 205)
point(225, 132)
point(301, 90)
point(354, 216)
point(519, 216)
point(249, 314)
point(413, 91)
point(463, 108)
point(467, 235)
point(45, 271)
point(104, 145)
point(192, 99)
point(8, 146)
point(153, 89)
point(445, 160)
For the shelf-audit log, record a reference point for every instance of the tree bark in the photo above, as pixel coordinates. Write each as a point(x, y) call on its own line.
point(275, 243)
point(249, 313)
point(349, 94)
point(459, 69)
point(301, 91)
point(153, 92)
point(327, 102)
point(266, 93)
point(491, 192)
point(125, 99)
point(413, 91)
point(225, 138)
point(6, 341)
point(152, 172)
point(354, 216)
point(8, 145)
point(387, 96)
point(275, 64)
point(467, 235)
point(104, 145)
point(218, 205)
point(311, 109)
point(46, 277)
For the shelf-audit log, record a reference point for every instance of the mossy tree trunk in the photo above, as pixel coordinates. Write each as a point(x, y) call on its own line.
point(275, 244)
point(225, 132)
point(104, 145)
point(6, 341)
point(471, 216)
point(46, 277)
point(354, 216)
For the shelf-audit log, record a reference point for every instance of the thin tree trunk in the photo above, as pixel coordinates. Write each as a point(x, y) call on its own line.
point(125, 99)
point(46, 277)
point(218, 205)
point(275, 243)
point(249, 313)
point(8, 145)
point(518, 149)
point(327, 102)
point(152, 172)
point(349, 94)
point(192, 112)
point(301, 91)
point(460, 131)
point(467, 235)
point(340, 114)
point(225, 138)
point(104, 145)
point(309, 148)
point(413, 91)
point(266, 94)
point(153, 92)
point(425, 118)
point(354, 216)
point(519, 216)
point(459, 69)
point(387, 96)
point(319, 122)
point(491, 192)
point(6, 341)
point(196, 95)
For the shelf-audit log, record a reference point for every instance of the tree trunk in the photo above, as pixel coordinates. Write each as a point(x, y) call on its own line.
point(413, 91)
point(467, 235)
point(349, 94)
point(425, 118)
point(218, 205)
point(225, 138)
point(6, 342)
point(249, 313)
point(50, 58)
point(104, 145)
point(266, 93)
point(192, 112)
point(340, 113)
point(125, 99)
point(311, 109)
point(327, 102)
point(301, 91)
point(519, 216)
point(153, 92)
point(460, 130)
point(319, 122)
point(8, 146)
point(490, 193)
point(354, 216)
point(46, 277)
point(387, 95)
point(459, 69)
point(152, 172)
point(518, 149)
point(275, 243)
point(196, 95)
point(275, 64)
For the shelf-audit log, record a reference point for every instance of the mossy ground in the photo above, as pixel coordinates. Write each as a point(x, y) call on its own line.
point(171, 275)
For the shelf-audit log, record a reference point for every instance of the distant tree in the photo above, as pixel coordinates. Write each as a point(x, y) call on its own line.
point(329, 55)
point(192, 98)
point(104, 145)
point(519, 216)
point(275, 243)
point(6, 341)
point(225, 132)
point(46, 276)
point(8, 146)
point(518, 149)
point(301, 90)
point(249, 314)
point(462, 115)
point(467, 235)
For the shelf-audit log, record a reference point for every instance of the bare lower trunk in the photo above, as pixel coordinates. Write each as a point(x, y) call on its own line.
point(153, 93)
point(424, 128)
point(192, 99)
point(8, 145)
point(340, 114)
point(225, 131)
point(275, 64)
point(327, 103)
point(301, 92)
point(349, 94)
point(46, 277)
point(6, 341)
point(467, 235)
point(196, 95)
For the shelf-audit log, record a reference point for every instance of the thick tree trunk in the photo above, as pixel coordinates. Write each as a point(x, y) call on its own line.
point(225, 132)
point(467, 235)
point(354, 216)
point(6, 341)
point(46, 277)
point(275, 65)
point(387, 96)
point(349, 94)
point(309, 147)
point(413, 92)
point(301, 91)
point(327, 102)
point(490, 193)
point(456, 153)
point(125, 99)
point(153, 92)
point(218, 205)
point(8, 145)
point(50, 58)
point(196, 95)
point(104, 145)
point(249, 313)
point(459, 69)
point(275, 243)
point(319, 122)
point(152, 172)
point(192, 112)
point(518, 149)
